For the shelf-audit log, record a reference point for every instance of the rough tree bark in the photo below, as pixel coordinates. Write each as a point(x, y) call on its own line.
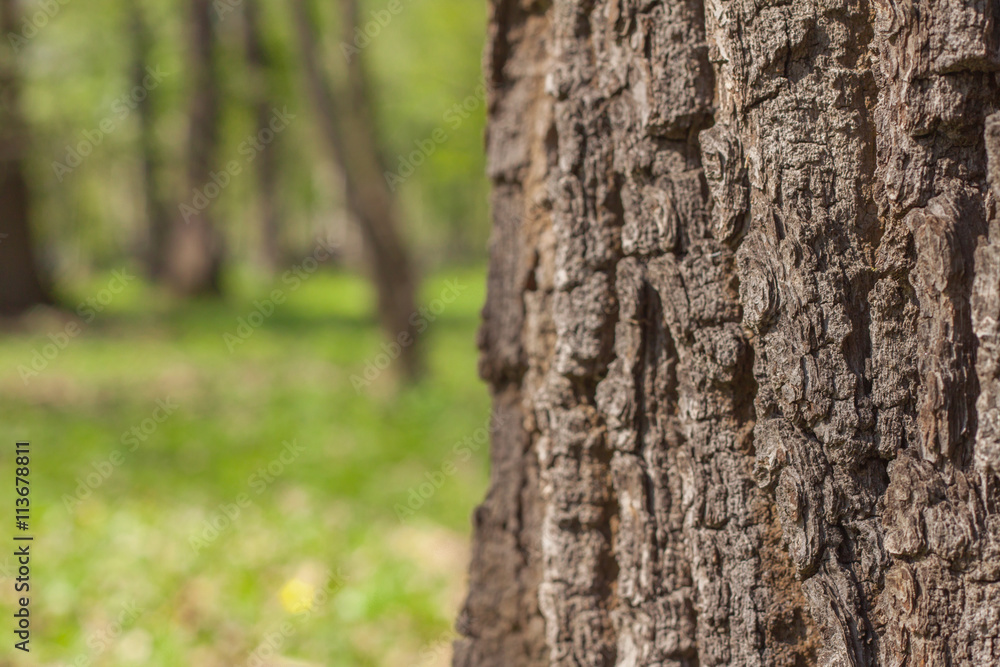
point(345, 115)
point(742, 334)
point(194, 247)
point(21, 285)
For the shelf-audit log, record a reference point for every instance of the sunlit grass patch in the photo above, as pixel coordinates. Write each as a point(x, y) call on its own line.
point(164, 484)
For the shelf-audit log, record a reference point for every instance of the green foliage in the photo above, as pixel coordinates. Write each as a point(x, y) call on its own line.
point(422, 62)
point(333, 507)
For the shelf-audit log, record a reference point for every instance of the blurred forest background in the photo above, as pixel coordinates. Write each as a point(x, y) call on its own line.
point(242, 257)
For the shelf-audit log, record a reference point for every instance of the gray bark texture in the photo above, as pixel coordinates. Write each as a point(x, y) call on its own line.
point(742, 335)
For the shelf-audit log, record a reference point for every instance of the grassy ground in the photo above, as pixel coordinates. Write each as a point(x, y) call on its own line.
point(128, 567)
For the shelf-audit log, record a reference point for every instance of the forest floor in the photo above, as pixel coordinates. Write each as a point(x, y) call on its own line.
point(210, 493)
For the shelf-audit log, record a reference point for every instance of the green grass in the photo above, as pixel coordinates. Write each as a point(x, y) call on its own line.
point(329, 510)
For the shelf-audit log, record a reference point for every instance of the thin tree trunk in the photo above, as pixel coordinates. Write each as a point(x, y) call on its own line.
point(156, 213)
point(266, 165)
point(21, 284)
point(194, 259)
point(743, 336)
point(346, 118)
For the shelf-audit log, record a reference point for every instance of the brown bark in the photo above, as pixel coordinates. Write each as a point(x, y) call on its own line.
point(194, 250)
point(743, 311)
point(21, 285)
point(345, 115)
point(265, 164)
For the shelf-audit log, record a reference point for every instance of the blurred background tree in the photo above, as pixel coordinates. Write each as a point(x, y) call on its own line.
point(261, 70)
point(20, 278)
point(194, 248)
point(155, 209)
point(345, 113)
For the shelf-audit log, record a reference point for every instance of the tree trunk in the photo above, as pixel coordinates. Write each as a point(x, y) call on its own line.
point(743, 336)
point(271, 254)
point(155, 211)
point(21, 285)
point(194, 259)
point(346, 118)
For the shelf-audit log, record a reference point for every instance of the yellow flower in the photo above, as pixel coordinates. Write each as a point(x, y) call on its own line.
point(297, 596)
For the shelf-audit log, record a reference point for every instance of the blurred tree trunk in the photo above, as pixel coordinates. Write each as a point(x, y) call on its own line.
point(21, 285)
point(156, 213)
point(346, 118)
point(742, 335)
point(194, 250)
point(266, 165)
